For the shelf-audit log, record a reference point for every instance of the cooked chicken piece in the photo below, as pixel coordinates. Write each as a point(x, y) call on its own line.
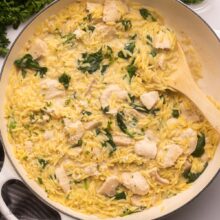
point(154, 172)
point(109, 187)
point(48, 135)
point(79, 33)
point(161, 61)
point(106, 95)
point(114, 10)
point(191, 136)
point(168, 155)
point(51, 88)
point(122, 140)
point(136, 200)
point(135, 182)
point(164, 40)
point(91, 170)
point(107, 33)
point(75, 130)
point(92, 125)
point(150, 99)
point(38, 49)
point(62, 178)
point(146, 148)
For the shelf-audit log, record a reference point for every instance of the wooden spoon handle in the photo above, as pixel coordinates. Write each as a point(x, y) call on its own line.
point(207, 108)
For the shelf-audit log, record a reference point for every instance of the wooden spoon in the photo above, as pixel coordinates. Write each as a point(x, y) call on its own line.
point(183, 81)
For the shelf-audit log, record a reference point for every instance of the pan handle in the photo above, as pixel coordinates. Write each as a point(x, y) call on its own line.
point(7, 173)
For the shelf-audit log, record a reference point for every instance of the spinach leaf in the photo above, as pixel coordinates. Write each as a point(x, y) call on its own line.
point(89, 28)
point(109, 141)
point(131, 70)
point(40, 181)
point(119, 196)
point(84, 112)
point(129, 47)
point(65, 80)
point(153, 52)
point(145, 13)
point(127, 25)
point(191, 177)
point(149, 39)
point(199, 151)
point(69, 38)
point(121, 123)
point(78, 144)
point(143, 109)
point(12, 124)
point(175, 113)
point(43, 163)
point(105, 110)
point(131, 211)
point(90, 62)
point(27, 62)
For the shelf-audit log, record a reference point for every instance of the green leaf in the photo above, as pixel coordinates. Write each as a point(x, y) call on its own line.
point(192, 1)
point(12, 124)
point(175, 113)
point(105, 110)
point(131, 211)
point(28, 63)
point(40, 181)
point(43, 163)
point(84, 112)
point(78, 144)
point(146, 14)
point(120, 195)
point(109, 141)
point(131, 69)
point(192, 177)
point(201, 142)
point(153, 52)
point(121, 123)
point(65, 80)
point(127, 25)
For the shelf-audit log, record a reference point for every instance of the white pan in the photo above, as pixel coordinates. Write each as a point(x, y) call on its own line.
point(206, 43)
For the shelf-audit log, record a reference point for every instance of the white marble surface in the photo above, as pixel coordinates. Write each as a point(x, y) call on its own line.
point(207, 205)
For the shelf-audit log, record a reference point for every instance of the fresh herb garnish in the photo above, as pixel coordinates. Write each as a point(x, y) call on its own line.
point(149, 39)
point(121, 123)
point(89, 28)
point(13, 13)
point(65, 80)
point(78, 144)
point(28, 63)
point(153, 52)
point(120, 195)
point(145, 13)
point(192, 177)
point(176, 113)
point(127, 25)
point(43, 163)
point(88, 18)
point(92, 62)
point(201, 142)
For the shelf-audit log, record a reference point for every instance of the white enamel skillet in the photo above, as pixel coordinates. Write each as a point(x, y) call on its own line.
point(182, 19)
